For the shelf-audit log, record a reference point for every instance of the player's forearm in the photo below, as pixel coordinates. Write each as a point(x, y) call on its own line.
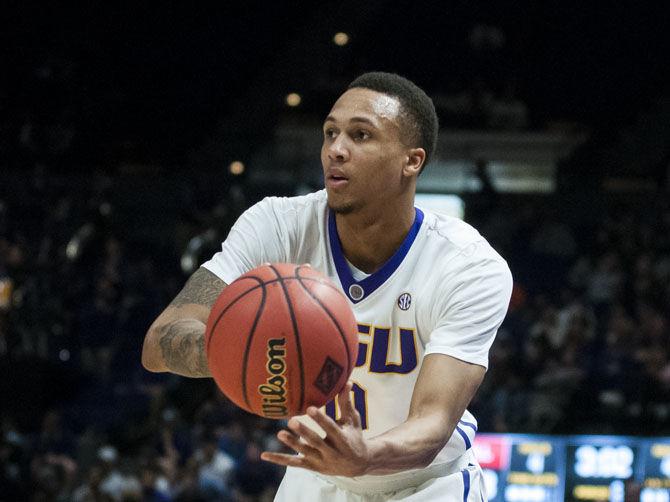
point(411, 445)
point(178, 347)
point(442, 392)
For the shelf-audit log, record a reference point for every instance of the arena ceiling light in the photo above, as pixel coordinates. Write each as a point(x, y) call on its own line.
point(340, 38)
point(293, 99)
point(236, 167)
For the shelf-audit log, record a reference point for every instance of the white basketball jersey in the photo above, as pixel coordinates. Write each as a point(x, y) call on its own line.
point(444, 291)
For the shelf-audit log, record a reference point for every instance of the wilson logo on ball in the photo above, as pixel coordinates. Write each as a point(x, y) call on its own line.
point(274, 388)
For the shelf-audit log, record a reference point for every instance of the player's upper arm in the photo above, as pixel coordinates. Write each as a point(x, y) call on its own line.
point(444, 388)
point(259, 235)
point(194, 301)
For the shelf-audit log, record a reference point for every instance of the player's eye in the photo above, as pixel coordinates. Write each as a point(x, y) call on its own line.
point(329, 133)
point(361, 135)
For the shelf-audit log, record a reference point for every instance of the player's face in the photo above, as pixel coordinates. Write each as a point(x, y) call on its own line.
point(362, 153)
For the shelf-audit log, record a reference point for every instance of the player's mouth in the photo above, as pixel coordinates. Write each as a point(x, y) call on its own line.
point(336, 181)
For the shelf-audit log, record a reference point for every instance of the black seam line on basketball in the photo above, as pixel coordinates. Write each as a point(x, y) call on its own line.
point(262, 285)
point(325, 283)
point(233, 302)
point(294, 321)
point(251, 334)
point(332, 318)
point(247, 349)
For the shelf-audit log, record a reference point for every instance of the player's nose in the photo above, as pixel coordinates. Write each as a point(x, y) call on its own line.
point(337, 149)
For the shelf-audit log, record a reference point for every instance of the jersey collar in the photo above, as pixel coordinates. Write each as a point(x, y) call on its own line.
point(359, 290)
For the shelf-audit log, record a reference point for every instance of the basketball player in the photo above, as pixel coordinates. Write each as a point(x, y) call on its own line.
point(428, 292)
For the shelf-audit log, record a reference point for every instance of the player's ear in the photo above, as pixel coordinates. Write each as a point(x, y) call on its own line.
point(415, 159)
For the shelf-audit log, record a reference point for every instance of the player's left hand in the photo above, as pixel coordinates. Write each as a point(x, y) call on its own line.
point(343, 452)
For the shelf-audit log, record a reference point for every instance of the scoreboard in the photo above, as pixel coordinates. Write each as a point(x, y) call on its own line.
point(521, 468)
point(533, 468)
point(656, 471)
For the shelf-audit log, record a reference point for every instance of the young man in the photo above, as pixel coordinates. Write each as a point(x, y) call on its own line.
point(428, 292)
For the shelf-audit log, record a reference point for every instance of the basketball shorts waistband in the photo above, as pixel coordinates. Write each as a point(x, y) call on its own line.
point(401, 480)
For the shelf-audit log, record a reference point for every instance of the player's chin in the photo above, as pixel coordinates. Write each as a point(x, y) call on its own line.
point(339, 205)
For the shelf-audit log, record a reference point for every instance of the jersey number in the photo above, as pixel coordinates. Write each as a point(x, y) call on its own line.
point(360, 403)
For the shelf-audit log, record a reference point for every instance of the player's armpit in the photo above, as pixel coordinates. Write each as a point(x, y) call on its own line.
point(175, 342)
point(443, 390)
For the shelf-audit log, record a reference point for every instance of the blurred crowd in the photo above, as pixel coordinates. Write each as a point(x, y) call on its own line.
point(81, 420)
point(585, 345)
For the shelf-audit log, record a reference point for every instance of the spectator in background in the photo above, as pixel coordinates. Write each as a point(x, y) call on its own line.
point(12, 476)
point(6, 291)
point(214, 468)
point(90, 490)
point(605, 283)
point(52, 477)
point(98, 327)
point(253, 478)
point(155, 486)
point(116, 484)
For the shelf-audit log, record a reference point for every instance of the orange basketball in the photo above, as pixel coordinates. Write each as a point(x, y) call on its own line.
point(281, 338)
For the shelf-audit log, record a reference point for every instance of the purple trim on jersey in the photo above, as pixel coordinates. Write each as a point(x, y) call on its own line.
point(466, 484)
point(465, 437)
point(372, 282)
point(468, 424)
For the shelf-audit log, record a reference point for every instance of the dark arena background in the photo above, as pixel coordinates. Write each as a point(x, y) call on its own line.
point(132, 138)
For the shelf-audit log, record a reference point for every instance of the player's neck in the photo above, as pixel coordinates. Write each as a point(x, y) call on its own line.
point(371, 236)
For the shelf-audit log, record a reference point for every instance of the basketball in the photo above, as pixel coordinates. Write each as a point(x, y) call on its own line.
point(281, 338)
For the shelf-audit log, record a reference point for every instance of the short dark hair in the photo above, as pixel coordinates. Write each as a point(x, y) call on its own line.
point(417, 111)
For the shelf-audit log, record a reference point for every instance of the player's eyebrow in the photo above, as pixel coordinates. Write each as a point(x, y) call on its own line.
point(364, 120)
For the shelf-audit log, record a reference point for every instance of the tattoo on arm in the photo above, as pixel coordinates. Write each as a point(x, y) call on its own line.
point(202, 288)
point(182, 344)
point(182, 341)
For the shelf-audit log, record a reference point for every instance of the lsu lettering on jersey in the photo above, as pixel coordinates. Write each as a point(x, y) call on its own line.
point(444, 291)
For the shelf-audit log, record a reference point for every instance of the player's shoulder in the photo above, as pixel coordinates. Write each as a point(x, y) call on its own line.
point(315, 200)
point(451, 232)
point(461, 255)
point(458, 242)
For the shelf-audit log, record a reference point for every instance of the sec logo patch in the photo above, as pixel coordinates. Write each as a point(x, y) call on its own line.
point(404, 301)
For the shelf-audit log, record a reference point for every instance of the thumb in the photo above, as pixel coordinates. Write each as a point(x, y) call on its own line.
point(347, 411)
